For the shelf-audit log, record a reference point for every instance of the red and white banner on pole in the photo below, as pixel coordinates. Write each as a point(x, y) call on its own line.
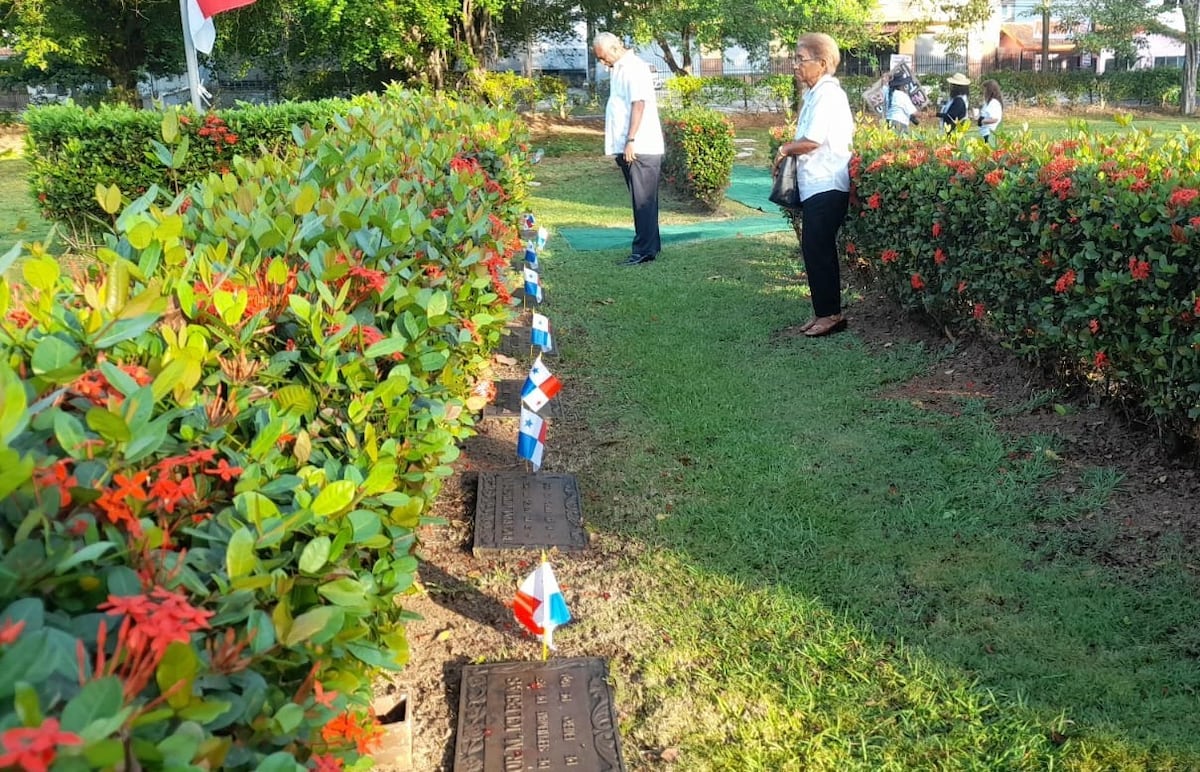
point(211, 8)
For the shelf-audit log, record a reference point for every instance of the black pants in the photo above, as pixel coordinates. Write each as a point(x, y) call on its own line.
point(641, 177)
point(822, 215)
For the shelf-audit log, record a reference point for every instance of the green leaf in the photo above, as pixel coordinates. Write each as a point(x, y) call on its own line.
point(12, 404)
point(261, 631)
point(122, 330)
point(312, 623)
point(438, 304)
point(315, 555)
point(306, 199)
point(295, 398)
point(279, 762)
point(334, 498)
point(289, 717)
point(108, 425)
point(89, 553)
point(205, 711)
point(98, 699)
point(255, 506)
point(52, 353)
point(374, 656)
point(176, 673)
point(41, 273)
point(240, 559)
point(148, 439)
point(68, 430)
point(347, 593)
point(386, 347)
point(27, 704)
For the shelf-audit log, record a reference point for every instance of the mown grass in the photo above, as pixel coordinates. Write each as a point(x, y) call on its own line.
point(20, 219)
point(842, 580)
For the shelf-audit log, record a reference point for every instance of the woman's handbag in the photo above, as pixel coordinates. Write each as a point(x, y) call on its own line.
point(784, 190)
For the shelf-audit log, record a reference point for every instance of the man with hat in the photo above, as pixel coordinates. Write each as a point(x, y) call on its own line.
point(955, 110)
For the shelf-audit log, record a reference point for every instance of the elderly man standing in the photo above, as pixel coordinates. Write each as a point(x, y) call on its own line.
point(633, 135)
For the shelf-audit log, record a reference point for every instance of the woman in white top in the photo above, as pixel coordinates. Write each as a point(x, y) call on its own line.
point(899, 109)
point(824, 131)
point(992, 110)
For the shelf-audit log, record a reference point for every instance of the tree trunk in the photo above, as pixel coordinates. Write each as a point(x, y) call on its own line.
point(677, 68)
point(1191, 51)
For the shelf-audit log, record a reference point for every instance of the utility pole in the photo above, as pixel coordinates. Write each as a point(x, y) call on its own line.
point(1045, 35)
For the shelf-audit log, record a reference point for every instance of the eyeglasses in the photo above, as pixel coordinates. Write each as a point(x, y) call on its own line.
point(799, 60)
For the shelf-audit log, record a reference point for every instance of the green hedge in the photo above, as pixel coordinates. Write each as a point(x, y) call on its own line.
point(73, 149)
point(1082, 251)
point(698, 163)
point(215, 451)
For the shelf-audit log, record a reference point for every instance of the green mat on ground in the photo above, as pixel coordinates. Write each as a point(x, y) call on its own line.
point(751, 186)
point(748, 186)
point(593, 239)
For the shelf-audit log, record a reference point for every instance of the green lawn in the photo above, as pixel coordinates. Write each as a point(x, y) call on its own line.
point(19, 215)
point(833, 579)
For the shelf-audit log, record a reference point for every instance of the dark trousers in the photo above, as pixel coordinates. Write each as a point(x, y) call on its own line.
point(822, 214)
point(641, 177)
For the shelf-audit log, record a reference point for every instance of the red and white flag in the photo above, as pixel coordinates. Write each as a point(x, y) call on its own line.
point(211, 8)
point(540, 387)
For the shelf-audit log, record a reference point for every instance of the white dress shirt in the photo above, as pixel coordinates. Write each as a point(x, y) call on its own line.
point(993, 109)
point(825, 118)
point(631, 81)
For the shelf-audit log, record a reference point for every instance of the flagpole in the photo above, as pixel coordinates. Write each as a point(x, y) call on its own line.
point(189, 52)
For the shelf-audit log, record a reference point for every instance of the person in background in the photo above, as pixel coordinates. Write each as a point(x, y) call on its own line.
point(992, 110)
point(824, 131)
point(898, 106)
point(633, 135)
point(954, 111)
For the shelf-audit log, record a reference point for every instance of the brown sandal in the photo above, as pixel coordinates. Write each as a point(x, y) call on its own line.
point(826, 325)
point(808, 325)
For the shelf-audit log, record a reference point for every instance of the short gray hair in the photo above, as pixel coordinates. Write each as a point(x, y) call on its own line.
point(606, 41)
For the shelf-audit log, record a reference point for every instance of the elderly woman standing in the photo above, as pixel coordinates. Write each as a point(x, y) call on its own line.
point(824, 131)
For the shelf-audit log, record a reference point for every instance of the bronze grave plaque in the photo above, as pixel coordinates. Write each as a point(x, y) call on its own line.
point(530, 716)
point(507, 403)
point(516, 343)
point(515, 511)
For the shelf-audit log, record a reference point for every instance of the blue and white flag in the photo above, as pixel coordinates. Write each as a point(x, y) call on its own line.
point(540, 386)
point(542, 235)
point(533, 285)
point(531, 256)
point(531, 440)
point(540, 334)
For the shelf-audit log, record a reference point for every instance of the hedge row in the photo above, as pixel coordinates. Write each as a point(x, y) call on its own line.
point(70, 149)
point(216, 447)
point(698, 163)
point(1085, 250)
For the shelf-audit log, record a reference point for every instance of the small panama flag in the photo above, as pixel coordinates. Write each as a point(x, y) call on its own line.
point(540, 606)
point(542, 235)
point(539, 335)
point(531, 257)
point(531, 440)
point(540, 387)
point(527, 221)
point(533, 285)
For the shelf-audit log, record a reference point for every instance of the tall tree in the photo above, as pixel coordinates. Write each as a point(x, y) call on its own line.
point(963, 19)
point(121, 41)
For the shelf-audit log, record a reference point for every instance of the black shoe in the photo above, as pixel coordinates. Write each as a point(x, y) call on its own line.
point(638, 259)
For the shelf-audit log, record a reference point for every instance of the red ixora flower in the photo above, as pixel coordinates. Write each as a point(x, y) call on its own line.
point(994, 177)
point(34, 749)
point(1065, 282)
point(1139, 269)
point(939, 256)
point(979, 311)
point(224, 471)
point(326, 762)
point(889, 255)
point(875, 201)
point(10, 631)
point(937, 229)
point(1094, 326)
point(917, 282)
point(1182, 197)
point(1100, 360)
